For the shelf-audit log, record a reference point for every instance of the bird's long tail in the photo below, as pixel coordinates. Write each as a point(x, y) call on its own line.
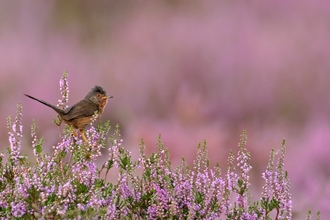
point(58, 110)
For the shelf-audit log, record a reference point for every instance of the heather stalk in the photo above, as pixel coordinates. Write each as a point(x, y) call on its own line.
point(243, 182)
point(276, 195)
point(64, 88)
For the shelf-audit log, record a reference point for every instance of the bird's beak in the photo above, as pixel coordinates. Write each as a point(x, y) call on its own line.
point(109, 97)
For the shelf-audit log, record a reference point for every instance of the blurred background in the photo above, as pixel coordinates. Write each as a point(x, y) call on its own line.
point(188, 70)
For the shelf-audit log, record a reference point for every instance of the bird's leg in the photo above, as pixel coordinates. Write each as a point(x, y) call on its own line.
point(74, 132)
point(83, 135)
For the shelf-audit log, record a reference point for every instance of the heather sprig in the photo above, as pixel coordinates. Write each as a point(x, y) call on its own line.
point(276, 195)
point(64, 87)
point(15, 137)
point(36, 143)
point(62, 103)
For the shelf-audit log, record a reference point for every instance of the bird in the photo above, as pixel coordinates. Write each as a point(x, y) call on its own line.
point(79, 115)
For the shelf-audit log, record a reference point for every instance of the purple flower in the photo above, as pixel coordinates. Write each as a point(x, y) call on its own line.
point(277, 183)
point(64, 87)
point(18, 209)
point(15, 134)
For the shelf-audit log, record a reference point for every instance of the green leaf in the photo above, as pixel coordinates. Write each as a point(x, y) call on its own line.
point(38, 148)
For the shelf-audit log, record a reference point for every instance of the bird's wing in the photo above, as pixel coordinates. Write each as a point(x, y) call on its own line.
point(80, 110)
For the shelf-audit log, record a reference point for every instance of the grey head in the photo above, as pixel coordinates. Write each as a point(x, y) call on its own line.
point(95, 94)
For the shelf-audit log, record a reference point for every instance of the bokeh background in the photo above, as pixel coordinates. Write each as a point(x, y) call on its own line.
point(188, 70)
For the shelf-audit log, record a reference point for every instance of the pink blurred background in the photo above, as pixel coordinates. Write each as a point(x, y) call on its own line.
point(188, 70)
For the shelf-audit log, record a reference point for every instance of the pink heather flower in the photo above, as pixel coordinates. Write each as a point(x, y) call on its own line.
point(248, 216)
point(66, 193)
point(277, 184)
point(85, 172)
point(64, 87)
point(95, 200)
point(111, 211)
point(18, 209)
point(124, 189)
point(15, 136)
point(152, 212)
point(61, 209)
point(162, 196)
point(243, 162)
point(241, 201)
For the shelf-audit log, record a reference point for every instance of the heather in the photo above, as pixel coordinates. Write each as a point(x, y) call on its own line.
point(68, 184)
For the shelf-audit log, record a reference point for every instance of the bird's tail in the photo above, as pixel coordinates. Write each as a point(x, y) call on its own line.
point(58, 110)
